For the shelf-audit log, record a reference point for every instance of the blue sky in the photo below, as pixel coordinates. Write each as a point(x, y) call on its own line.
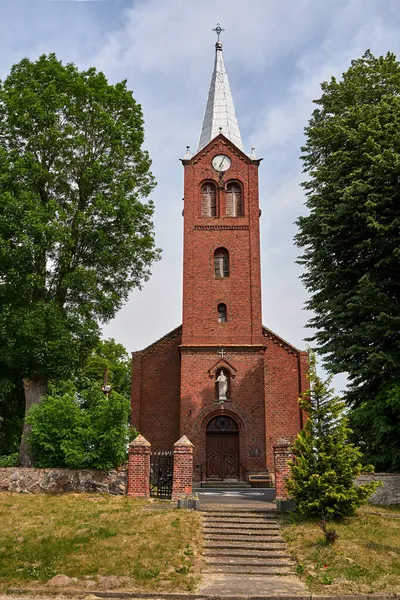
point(276, 52)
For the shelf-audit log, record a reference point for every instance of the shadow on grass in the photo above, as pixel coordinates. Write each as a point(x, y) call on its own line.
point(382, 547)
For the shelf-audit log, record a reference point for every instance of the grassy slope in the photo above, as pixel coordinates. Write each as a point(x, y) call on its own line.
point(84, 536)
point(365, 559)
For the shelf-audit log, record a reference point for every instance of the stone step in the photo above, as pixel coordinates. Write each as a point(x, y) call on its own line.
point(240, 511)
point(250, 570)
point(248, 526)
point(222, 485)
point(241, 531)
point(239, 519)
point(257, 553)
point(247, 545)
point(243, 539)
point(249, 561)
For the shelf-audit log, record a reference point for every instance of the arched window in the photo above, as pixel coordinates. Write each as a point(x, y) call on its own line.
point(234, 200)
point(208, 200)
point(222, 317)
point(221, 263)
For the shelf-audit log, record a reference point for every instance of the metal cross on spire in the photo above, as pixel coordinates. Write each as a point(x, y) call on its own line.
point(218, 29)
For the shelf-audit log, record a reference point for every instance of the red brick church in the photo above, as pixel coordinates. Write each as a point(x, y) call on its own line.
point(224, 380)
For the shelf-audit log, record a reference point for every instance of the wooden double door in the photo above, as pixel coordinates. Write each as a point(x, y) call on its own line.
point(222, 449)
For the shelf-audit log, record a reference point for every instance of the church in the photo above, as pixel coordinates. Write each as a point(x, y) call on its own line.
point(222, 378)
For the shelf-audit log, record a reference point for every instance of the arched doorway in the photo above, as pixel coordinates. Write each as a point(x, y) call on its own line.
point(222, 449)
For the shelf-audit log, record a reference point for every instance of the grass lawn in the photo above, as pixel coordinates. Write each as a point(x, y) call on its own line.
point(92, 536)
point(365, 558)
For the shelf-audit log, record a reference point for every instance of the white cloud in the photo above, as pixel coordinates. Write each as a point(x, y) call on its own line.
point(277, 53)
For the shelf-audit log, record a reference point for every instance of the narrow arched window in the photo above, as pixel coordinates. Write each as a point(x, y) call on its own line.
point(234, 200)
point(222, 318)
point(208, 200)
point(221, 263)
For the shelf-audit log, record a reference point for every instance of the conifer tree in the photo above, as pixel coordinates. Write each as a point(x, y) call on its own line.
point(350, 243)
point(326, 463)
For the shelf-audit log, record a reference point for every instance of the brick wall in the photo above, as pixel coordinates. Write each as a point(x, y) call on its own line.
point(155, 391)
point(246, 406)
point(285, 370)
point(241, 292)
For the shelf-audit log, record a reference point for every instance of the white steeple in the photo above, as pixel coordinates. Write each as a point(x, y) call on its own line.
point(220, 116)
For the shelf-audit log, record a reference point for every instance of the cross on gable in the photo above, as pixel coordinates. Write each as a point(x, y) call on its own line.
point(221, 353)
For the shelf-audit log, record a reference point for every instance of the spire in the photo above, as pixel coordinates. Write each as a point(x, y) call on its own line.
point(220, 116)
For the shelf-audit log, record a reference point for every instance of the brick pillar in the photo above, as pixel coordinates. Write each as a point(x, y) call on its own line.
point(139, 468)
point(183, 468)
point(282, 454)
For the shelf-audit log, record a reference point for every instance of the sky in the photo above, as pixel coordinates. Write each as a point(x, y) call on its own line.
point(277, 52)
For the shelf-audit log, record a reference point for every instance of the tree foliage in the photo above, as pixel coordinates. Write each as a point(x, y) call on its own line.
point(81, 431)
point(326, 462)
point(75, 234)
point(11, 410)
point(376, 422)
point(106, 355)
point(77, 425)
point(351, 237)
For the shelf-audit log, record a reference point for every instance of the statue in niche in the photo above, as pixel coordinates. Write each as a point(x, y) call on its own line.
point(222, 382)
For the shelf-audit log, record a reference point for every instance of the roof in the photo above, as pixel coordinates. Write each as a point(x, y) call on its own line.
point(220, 115)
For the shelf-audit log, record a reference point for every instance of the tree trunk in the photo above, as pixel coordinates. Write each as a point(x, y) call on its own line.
point(34, 390)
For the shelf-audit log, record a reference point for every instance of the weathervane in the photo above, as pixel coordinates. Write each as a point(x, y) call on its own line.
point(218, 30)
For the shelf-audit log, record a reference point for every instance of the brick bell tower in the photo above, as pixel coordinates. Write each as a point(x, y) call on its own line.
point(221, 378)
point(222, 330)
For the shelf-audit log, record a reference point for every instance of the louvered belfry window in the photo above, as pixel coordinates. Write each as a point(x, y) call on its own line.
point(221, 263)
point(208, 200)
point(234, 200)
point(222, 316)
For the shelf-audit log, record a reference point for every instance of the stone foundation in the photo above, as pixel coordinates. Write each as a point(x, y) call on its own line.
point(34, 481)
point(388, 493)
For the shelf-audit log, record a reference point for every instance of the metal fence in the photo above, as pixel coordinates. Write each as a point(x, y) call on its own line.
point(161, 473)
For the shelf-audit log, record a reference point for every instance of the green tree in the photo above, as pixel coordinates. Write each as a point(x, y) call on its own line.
point(106, 356)
point(326, 462)
point(351, 237)
point(75, 233)
point(82, 431)
point(11, 410)
point(376, 423)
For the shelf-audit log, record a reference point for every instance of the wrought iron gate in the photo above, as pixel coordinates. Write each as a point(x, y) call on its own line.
point(161, 473)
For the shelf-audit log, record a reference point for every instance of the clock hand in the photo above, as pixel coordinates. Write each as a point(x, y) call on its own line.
point(221, 163)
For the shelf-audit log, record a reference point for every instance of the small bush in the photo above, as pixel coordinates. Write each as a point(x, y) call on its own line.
point(325, 462)
point(89, 431)
point(9, 460)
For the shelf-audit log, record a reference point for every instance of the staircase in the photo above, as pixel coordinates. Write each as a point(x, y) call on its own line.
point(244, 541)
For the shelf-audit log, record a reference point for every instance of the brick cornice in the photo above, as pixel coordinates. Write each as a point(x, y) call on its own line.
point(187, 348)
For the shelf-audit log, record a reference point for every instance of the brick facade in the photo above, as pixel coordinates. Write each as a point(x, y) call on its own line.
point(174, 380)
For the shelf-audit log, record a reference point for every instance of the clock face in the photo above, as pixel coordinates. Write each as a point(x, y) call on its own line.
point(221, 162)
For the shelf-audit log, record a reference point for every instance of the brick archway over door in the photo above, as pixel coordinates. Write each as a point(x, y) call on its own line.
point(222, 438)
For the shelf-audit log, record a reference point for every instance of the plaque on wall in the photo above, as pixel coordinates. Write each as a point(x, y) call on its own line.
point(255, 452)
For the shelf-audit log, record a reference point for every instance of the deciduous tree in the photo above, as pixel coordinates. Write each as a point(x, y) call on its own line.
point(75, 233)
